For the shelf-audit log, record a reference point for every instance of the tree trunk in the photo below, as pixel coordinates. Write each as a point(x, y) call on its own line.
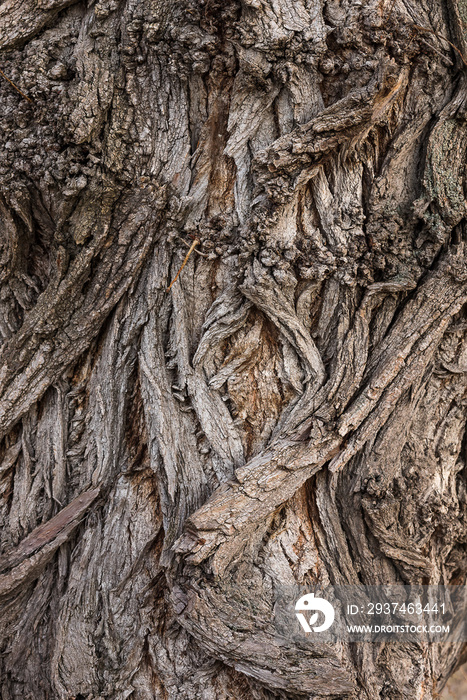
point(292, 411)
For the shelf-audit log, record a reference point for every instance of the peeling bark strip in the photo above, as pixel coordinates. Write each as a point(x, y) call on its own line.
point(36, 550)
point(293, 412)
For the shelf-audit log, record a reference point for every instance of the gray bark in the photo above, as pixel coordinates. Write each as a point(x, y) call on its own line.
point(293, 410)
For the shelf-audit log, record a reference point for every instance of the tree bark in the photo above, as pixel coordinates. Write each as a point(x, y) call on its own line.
point(292, 411)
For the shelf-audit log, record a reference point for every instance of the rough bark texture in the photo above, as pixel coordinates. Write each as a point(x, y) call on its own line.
point(294, 409)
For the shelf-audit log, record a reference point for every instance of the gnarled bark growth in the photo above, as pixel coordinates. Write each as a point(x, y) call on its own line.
point(293, 411)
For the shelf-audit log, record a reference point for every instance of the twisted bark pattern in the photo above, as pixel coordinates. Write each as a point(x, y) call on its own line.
point(293, 411)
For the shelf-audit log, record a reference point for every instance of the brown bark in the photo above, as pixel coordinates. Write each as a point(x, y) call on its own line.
point(293, 410)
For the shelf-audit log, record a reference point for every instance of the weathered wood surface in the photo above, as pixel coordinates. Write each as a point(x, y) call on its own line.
point(293, 411)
